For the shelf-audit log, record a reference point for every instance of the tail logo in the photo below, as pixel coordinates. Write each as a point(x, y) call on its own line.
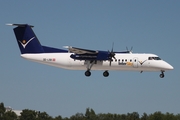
point(24, 43)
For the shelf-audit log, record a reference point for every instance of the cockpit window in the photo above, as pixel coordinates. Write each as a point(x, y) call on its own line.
point(157, 58)
point(154, 58)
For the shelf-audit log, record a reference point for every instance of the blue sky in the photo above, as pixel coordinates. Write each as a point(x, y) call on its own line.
point(149, 26)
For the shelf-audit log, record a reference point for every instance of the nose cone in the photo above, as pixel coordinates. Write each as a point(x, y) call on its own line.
point(167, 66)
point(171, 67)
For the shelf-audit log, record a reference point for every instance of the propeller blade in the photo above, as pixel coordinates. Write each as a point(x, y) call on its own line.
point(111, 55)
point(131, 48)
point(114, 57)
point(129, 51)
point(112, 47)
point(127, 48)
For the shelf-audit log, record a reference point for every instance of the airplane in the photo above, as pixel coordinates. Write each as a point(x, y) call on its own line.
point(84, 59)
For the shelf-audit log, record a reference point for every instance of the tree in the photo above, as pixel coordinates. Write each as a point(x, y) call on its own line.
point(58, 118)
point(10, 115)
point(28, 115)
point(43, 116)
point(156, 116)
point(90, 114)
point(144, 116)
point(77, 116)
point(133, 116)
point(177, 117)
point(2, 110)
point(123, 117)
point(169, 116)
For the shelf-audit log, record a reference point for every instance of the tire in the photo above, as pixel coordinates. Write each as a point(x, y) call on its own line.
point(106, 74)
point(87, 73)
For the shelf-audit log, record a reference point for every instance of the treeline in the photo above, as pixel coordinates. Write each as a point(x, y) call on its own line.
point(89, 115)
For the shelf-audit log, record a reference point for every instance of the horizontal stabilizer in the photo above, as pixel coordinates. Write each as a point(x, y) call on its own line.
point(19, 25)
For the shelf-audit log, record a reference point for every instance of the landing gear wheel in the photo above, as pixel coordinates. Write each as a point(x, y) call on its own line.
point(105, 73)
point(87, 73)
point(161, 75)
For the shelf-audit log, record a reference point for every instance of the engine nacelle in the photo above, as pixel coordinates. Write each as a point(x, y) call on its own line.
point(101, 55)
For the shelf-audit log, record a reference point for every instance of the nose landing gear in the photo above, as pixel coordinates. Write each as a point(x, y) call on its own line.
point(162, 74)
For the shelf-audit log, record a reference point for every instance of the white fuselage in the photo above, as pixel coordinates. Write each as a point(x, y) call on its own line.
point(131, 62)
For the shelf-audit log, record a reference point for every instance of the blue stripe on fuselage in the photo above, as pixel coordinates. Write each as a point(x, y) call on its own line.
point(53, 50)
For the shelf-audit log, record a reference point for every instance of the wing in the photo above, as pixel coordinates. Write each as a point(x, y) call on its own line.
point(80, 50)
point(85, 54)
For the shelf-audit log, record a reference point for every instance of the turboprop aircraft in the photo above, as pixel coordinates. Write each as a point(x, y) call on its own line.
point(83, 59)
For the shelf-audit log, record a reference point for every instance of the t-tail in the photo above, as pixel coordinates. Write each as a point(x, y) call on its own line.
point(26, 39)
point(28, 42)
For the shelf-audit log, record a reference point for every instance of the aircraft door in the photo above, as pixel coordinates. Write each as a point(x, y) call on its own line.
point(135, 62)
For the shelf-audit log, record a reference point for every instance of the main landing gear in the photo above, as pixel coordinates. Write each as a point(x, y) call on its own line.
point(88, 73)
point(106, 73)
point(89, 66)
point(162, 74)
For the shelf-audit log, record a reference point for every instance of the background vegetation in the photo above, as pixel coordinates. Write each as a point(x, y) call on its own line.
point(90, 114)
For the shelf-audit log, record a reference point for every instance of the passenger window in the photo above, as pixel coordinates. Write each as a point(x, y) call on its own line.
point(119, 60)
point(122, 60)
point(130, 60)
point(126, 60)
point(135, 60)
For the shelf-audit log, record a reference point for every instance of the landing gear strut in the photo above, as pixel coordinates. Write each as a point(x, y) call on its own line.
point(89, 66)
point(162, 74)
point(105, 73)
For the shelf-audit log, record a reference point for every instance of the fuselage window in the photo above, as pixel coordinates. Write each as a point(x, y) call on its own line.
point(150, 58)
point(157, 58)
point(122, 60)
point(119, 60)
point(130, 60)
point(126, 60)
point(135, 60)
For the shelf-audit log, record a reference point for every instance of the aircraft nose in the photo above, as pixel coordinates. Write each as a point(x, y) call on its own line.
point(169, 67)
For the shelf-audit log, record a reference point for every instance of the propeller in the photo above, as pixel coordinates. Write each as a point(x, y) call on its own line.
point(129, 51)
point(111, 55)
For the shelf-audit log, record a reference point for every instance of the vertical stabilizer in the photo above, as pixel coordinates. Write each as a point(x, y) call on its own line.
point(26, 39)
